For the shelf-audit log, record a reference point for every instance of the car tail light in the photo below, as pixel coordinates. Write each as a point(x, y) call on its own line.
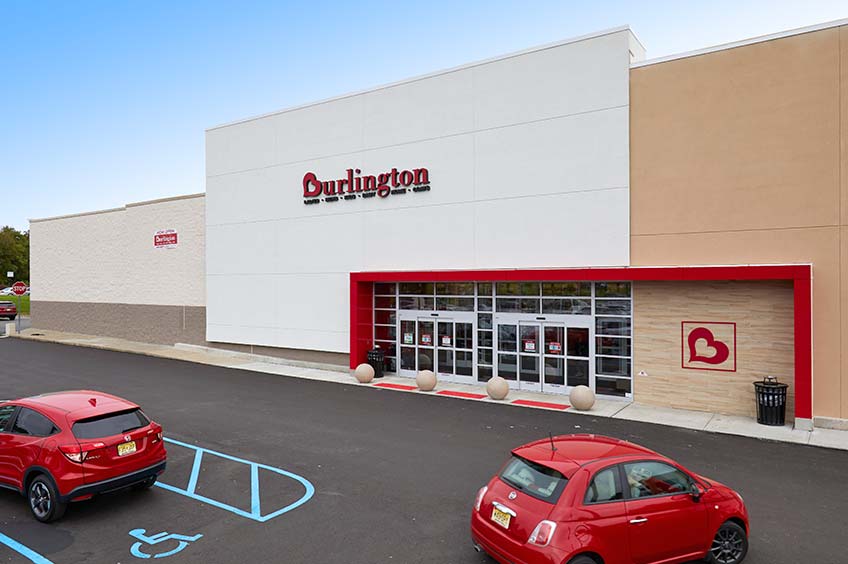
point(479, 500)
point(542, 534)
point(157, 433)
point(79, 452)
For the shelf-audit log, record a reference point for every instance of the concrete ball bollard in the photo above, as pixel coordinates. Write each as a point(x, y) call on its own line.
point(364, 373)
point(497, 388)
point(426, 380)
point(582, 398)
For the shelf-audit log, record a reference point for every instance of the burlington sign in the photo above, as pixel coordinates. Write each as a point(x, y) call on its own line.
point(353, 186)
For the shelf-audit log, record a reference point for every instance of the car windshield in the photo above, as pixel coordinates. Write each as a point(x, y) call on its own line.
point(110, 424)
point(534, 479)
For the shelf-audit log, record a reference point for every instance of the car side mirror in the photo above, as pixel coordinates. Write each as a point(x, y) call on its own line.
point(697, 492)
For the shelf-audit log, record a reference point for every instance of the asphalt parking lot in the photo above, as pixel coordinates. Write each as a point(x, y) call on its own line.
point(394, 474)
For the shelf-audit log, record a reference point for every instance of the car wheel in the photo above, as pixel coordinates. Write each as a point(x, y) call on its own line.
point(145, 485)
point(44, 500)
point(582, 560)
point(729, 546)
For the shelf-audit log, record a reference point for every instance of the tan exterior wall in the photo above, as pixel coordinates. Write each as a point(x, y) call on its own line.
point(739, 157)
point(763, 314)
point(108, 257)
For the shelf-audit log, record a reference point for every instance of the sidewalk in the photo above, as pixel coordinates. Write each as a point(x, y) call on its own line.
point(616, 409)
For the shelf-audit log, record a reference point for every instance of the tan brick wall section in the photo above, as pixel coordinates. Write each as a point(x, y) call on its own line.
point(763, 315)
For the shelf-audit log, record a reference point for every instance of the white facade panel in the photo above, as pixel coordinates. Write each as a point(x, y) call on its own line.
point(435, 238)
point(423, 109)
point(528, 161)
point(567, 154)
point(576, 229)
point(579, 77)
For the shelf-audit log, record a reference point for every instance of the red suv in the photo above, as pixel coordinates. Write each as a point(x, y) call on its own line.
point(69, 446)
point(588, 499)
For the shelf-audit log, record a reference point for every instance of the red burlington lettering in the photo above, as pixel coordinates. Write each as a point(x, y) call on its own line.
point(422, 176)
point(381, 183)
point(311, 185)
point(383, 188)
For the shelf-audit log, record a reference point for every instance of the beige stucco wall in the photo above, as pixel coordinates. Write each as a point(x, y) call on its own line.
point(763, 314)
point(109, 257)
point(740, 156)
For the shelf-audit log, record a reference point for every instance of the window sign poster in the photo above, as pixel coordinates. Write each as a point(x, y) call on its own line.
point(529, 345)
point(408, 339)
point(446, 341)
point(426, 339)
point(554, 347)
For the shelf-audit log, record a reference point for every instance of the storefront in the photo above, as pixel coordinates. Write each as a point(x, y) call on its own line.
point(540, 336)
point(569, 214)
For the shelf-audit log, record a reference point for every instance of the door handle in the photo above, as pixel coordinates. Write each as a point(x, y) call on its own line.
point(639, 520)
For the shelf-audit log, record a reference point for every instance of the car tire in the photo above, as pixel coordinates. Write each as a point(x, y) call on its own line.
point(729, 546)
point(44, 500)
point(12, 318)
point(582, 559)
point(145, 485)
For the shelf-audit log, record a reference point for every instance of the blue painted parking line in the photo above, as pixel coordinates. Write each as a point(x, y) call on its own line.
point(255, 512)
point(24, 551)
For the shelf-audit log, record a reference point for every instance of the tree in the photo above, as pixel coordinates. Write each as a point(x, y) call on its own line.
point(14, 254)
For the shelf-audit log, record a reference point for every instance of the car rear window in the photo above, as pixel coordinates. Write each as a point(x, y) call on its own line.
point(534, 479)
point(6, 304)
point(110, 424)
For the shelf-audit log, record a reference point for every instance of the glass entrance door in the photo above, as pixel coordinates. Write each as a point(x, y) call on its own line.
point(443, 344)
point(548, 354)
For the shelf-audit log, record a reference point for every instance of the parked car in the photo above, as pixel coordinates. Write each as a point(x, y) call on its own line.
point(587, 499)
point(8, 310)
point(7, 292)
point(70, 446)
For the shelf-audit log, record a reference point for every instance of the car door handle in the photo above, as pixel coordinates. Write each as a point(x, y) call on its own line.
point(639, 520)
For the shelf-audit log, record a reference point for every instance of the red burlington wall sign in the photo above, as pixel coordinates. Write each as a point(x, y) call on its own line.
point(708, 345)
point(356, 185)
point(166, 238)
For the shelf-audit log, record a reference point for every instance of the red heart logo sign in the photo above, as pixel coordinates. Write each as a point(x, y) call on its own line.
point(721, 351)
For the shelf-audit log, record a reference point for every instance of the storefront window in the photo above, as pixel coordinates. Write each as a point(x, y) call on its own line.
point(566, 288)
point(612, 289)
point(455, 289)
point(517, 288)
point(472, 329)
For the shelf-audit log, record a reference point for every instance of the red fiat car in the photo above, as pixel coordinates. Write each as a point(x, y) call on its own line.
point(69, 446)
point(588, 499)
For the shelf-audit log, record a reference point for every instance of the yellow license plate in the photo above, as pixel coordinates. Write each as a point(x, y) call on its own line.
point(126, 448)
point(500, 518)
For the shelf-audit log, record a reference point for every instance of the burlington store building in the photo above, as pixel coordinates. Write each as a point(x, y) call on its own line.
point(664, 231)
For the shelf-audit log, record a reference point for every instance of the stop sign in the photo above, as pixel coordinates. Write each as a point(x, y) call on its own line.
point(19, 288)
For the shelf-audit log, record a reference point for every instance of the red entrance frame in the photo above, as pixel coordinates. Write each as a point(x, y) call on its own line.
point(362, 311)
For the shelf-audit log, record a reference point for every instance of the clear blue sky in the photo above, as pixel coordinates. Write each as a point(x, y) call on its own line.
point(105, 103)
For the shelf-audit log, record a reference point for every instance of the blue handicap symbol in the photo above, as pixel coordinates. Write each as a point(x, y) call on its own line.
point(156, 539)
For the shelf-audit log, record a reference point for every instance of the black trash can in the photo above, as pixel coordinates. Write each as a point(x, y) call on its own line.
point(771, 401)
point(377, 360)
